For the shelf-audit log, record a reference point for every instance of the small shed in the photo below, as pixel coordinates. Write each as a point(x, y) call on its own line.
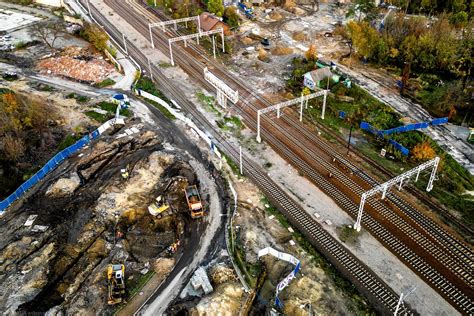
point(315, 78)
point(211, 22)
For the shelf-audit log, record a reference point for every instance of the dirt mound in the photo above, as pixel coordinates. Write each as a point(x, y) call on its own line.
point(163, 266)
point(300, 36)
point(221, 274)
point(289, 4)
point(246, 41)
point(262, 55)
point(225, 300)
point(282, 51)
point(276, 16)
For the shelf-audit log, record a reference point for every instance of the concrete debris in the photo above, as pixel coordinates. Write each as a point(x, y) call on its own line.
point(64, 186)
point(39, 228)
point(200, 280)
point(30, 220)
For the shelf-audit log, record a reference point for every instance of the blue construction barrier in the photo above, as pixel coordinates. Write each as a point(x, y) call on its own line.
point(401, 129)
point(48, 167)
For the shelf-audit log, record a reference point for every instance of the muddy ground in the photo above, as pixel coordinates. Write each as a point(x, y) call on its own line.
point(93, 217)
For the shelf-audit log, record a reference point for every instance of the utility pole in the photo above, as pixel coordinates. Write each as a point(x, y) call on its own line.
point(149, 69)
point(89, 8)
point(349, 140)
point(125, 44)
point(240, 155)
point(402, 297)
point(151, 36)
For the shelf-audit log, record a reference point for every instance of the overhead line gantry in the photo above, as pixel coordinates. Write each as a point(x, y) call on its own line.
point(303, 100)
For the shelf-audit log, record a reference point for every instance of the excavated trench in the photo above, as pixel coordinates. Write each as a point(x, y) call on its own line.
point(67, 217)
point(60, 266)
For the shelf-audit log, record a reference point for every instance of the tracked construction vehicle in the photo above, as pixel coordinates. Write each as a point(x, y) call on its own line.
point(115, 283)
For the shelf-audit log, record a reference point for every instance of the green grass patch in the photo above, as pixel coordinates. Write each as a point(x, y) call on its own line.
point(208, 103)
point(230, 123)
point(359, 304)
point(69, 140)
point(348, 234)
point(163, 64)
point(79, 98)
point(104, 83)
point(235, 168)
point(163, 110)
point(146, 84)
point(110, 108)
point(101, 118)
point(140, 283)
point(45, 88)
point(20, 44)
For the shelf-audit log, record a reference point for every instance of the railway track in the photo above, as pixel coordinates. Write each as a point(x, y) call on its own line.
point(377, 291)
point(455, 263)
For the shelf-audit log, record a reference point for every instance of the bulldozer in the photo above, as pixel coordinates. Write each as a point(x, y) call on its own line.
point(115, 283)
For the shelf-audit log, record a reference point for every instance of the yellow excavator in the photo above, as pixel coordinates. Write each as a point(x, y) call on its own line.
point(116, 283)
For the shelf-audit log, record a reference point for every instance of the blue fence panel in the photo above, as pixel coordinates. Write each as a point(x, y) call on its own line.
point(399, 147)
point(365, 125)
point(50, 165)
point(439, 121)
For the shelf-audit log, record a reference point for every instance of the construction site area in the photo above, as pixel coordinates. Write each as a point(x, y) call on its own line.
point(210, 166)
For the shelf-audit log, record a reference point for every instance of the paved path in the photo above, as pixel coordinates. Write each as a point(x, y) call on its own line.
point(445, 135)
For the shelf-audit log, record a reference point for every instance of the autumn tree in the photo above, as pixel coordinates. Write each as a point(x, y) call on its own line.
point(95, 35)
point(311, 54)
point(423, 151)
point(48, 32)
point(13, 147)
point(216, 7)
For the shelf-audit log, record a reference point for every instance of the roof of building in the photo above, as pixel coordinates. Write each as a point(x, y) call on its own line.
point(208, 21)
point(320, 74)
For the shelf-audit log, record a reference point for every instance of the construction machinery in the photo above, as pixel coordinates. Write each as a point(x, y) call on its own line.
point(125, 172)
point(159, 207)
point(194, 201)
point(116, 283)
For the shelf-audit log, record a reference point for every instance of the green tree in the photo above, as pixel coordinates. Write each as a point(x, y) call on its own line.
point(359, 7)
point(95, 35)
point(231, 17)
point(48, 32)
point(216, 7)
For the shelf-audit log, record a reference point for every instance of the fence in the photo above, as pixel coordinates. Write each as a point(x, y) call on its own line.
point(53, 163)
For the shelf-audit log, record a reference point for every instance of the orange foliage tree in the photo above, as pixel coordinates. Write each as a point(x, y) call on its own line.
point(423, 151)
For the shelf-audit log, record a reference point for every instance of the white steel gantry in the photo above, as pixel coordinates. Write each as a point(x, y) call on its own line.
point(175, 23)
point(303, 100)
point(185, 38)
point(384, 187)
point(224, 92)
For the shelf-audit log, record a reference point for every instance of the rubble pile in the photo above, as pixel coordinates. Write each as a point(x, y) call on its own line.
point(78, 64)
